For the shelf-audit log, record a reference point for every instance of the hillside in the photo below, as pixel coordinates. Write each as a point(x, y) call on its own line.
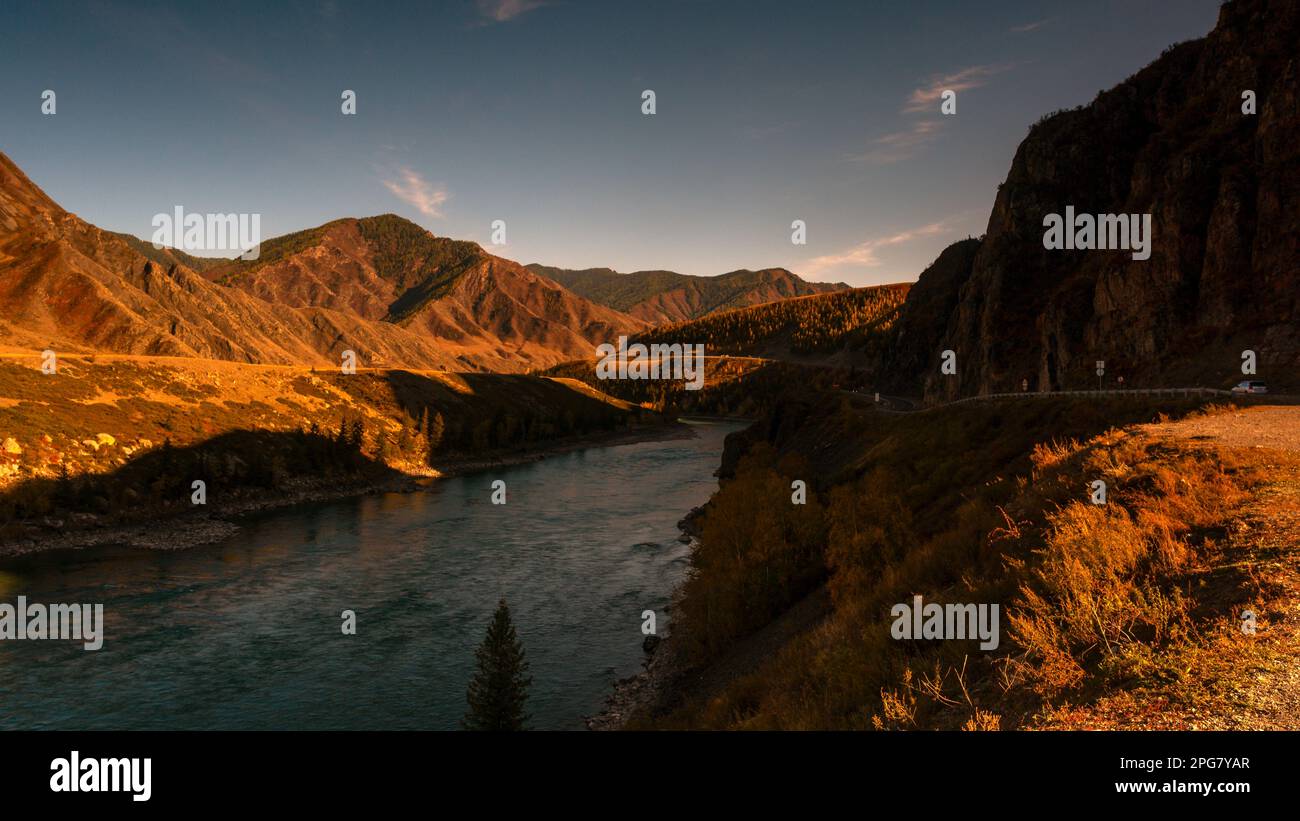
point(844, 327)
point(734, 386)
point(1124, 613)
point(1112, 615)
point(664, 296)
point(114, 439)
point(755, 357)
point(480, 308)
point(917, 334)
point(68, 285)
point(382, 287)
point(1220, 187)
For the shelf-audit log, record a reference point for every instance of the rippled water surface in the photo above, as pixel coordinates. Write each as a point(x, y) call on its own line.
point(245, 634)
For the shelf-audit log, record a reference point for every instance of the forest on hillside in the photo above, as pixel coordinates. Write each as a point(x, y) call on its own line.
point(745, 388)
point(857, 320)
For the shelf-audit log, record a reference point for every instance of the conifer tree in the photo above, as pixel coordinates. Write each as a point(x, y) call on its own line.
point(499, 688)
point(437, 432)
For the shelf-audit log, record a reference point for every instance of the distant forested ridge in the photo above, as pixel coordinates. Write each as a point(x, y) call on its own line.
point(857, 320)
point(665, 296)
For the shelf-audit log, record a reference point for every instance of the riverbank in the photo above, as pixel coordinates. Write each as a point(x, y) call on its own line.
point(663, 673)
point(668, 680)
point(1206, 502)
point(246, 634)
point(209, 526)
point(641, 693)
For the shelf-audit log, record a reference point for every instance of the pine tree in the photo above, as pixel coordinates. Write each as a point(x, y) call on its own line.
point(64, 487)
point(499, 688)
point(437, 432)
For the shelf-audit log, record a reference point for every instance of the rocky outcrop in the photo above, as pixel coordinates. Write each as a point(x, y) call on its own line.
point(1221, 187)
point(915, 343)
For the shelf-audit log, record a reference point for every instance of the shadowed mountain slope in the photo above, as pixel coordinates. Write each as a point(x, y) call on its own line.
point(1221, 187)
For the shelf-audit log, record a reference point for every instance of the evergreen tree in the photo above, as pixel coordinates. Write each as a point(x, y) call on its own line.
point(64, 488)
point(499, 688)
point(437, 432)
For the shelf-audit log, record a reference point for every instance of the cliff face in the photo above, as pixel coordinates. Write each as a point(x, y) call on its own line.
point(914, 345)
point(1221, 187)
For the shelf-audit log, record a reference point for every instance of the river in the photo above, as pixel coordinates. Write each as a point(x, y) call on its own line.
point(246, 633)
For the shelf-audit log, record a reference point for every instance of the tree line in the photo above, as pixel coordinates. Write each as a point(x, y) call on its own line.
point(855, 319)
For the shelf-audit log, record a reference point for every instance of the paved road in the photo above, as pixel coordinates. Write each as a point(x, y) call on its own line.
point(901, 404)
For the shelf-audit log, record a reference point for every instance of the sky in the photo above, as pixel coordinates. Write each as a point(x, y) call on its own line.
point(530, 112)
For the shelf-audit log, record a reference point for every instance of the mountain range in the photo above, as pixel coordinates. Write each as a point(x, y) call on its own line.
point(659, 297)
point(1175, 142)
point(381, 286)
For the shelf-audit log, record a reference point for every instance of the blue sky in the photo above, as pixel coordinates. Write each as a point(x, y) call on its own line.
point(530, 112)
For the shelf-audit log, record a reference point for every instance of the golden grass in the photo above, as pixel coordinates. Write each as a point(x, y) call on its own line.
point(1096, 599)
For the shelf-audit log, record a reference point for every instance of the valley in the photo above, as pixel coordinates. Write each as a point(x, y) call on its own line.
point(109, 443)
point(789, 474)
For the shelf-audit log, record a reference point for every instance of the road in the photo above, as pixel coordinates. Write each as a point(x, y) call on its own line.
point(902, 404)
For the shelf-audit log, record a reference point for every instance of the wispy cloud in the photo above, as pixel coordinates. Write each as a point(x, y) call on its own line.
point(499, 11)
point(899, 145)
point(866, 254)
point(1028, 26)
point(927, 96)
point(415, 190)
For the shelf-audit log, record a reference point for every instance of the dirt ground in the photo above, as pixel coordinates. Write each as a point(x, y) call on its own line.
point(1260, 427)
point(1251, 681)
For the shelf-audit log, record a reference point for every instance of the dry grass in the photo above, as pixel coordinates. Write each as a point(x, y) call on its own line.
point(120, 438)
point(1136, 596)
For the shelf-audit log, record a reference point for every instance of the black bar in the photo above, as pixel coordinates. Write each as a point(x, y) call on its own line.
point(248, 770)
